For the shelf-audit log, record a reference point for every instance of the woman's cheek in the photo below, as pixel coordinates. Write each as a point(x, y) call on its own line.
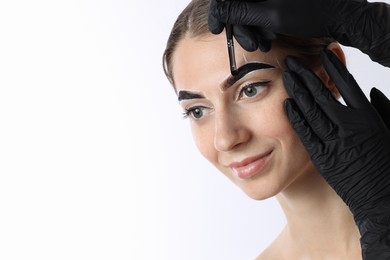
point(268, 114)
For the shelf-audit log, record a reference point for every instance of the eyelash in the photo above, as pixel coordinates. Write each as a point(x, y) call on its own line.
point(253, 85)
point(189, 112)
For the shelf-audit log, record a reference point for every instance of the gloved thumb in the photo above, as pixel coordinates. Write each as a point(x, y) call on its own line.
point(215, 26)
point(381, 104)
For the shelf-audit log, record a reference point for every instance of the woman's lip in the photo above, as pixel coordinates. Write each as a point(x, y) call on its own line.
point(250, 166)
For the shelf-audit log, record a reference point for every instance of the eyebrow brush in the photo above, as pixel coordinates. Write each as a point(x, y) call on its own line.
point(230, 45)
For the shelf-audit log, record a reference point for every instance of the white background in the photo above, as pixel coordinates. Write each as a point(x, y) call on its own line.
point(95, 160)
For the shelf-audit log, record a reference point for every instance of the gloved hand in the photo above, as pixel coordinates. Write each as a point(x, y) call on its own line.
point(355, 23)
point(381, 104)
point(349, 146)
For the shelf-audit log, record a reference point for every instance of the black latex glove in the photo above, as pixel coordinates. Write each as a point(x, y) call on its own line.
point(250, 38)
point(355, 23)
point(381, 104)
point(349, 145)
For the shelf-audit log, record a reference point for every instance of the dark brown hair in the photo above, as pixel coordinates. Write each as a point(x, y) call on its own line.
point(193, 22)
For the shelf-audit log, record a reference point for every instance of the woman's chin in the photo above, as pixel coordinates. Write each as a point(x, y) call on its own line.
point(258, 194)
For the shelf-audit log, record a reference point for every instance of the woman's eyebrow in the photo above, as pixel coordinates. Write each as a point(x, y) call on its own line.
point(183, 95)
point(242, 71)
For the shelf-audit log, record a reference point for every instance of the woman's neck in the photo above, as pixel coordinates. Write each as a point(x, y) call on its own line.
point(318, 221)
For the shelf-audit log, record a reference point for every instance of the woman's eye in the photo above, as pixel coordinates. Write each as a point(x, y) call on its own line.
point(250, 91)
point(253, 89)
point(195, 112)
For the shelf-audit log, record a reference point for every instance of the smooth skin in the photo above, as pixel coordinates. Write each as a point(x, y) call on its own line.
point(242, 122)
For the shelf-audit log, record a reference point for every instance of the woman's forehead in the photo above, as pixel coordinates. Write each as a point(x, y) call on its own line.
point(208, 54)
point(215, 48)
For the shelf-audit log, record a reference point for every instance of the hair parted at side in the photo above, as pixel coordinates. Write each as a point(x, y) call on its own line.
point(193, 22)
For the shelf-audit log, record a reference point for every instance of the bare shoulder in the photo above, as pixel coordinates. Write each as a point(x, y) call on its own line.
point(270, 253)
point(274, 251)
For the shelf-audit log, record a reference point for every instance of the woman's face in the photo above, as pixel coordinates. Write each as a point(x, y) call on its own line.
point(238, 123)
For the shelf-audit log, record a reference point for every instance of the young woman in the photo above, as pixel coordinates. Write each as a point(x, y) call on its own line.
point(239, 124)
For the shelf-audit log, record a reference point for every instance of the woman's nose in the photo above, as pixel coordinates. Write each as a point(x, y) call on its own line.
point(230, 132)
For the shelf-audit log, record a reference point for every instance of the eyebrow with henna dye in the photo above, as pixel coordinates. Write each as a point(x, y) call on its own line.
point(230, 81)
point(243, 71)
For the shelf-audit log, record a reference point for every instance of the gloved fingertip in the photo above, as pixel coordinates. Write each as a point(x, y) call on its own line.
point(292, 62)
point(373, 93)
point(289, 61)
point(344, 80)
point(330, 59)
point(295, 118)
point(265, 46)
point(215, 27)
point(247, 44)
point(288, 81)
point(214, 20)
point(264, 39)
point(245, 37)
point(288, 101)
point(291, 108)
point(377, 96)
point(326, 53)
